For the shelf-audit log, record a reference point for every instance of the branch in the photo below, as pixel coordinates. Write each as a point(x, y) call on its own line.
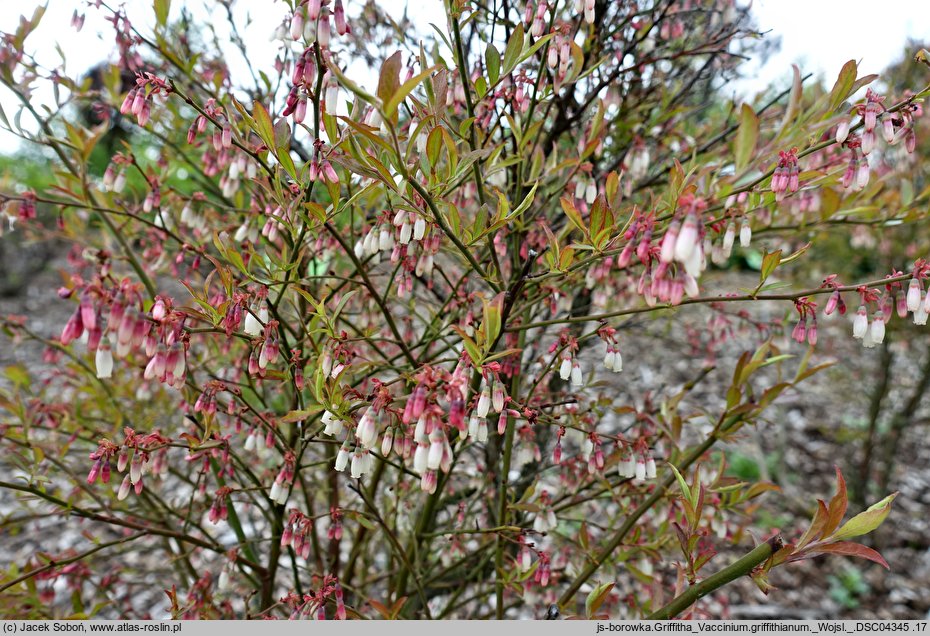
point(727, 575)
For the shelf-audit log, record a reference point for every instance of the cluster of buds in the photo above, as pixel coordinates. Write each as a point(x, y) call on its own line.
point(543, 571)
point(310, 22)
point(281, 486)
point(721, 253)
point(667, 285)
point(206, 401)
point(219, 510)
point(870, 111)
point(114, 177)
point(585, 7)
point(410, 226)
point(138, 104)
point(256, 317)
point(592, 452)
point(254, 438)
point(557, 449)
point(536, 20)
point(613, 361)
point(857, 171)
point(360, 457)
point(133, 454)
point(198, 128)
point(559, 56)
point(917, 302)
point(265, 351)
point(191, 217)
point(332, 423)
point(492, 395)
point(806, 329)
point(433, 451)
point(336, 357)
point(166, 345)
point(636, 466)
point(785, 178)
point(683, 242)
point(277, 220)
point(313, 604)
point(138, 100)
point(379, 238)
point(303, 79)
point(641, 227)
point(127, 328)
point(101, 466)
point(223, 582)
point(870, 332)
point(586, 189)
point(570, 369)
point(22, 208)
point(334, 532)
point(320, 166)
point(296, 533)
point(545, 516)
point(637, 161)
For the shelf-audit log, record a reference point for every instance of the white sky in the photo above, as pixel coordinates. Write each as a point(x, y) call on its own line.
point(819, 35)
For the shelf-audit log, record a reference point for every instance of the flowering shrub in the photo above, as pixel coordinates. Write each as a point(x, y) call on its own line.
point(345, 348)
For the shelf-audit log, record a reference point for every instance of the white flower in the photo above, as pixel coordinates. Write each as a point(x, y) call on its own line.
point(877, 331)
point(913, 295)
point(104, 361)
point(484, 404)
point(342, 458)
point(860, 323)
point(745, 234)
point(577, 378)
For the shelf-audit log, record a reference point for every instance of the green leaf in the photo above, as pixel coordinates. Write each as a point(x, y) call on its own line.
point(514, 49)
point(297, 416)
point(263, 126)
point(844, 83)
point(685, 489)
point(492, 317)
point(492, 58)
point(389, 79)
point(866, 522)
point(596, 598)
point(162, 8)
point(569, 208)
point(525, 204)
point(390, 106)
point(770, 261)
point(746, 137)
point(794, 98)
point(602, 221)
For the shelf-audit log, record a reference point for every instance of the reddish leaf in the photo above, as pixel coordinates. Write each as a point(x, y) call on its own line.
point(848, 548)
point(381, 609)
point(817, 523)
point(837, 506)
point(389, 78)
